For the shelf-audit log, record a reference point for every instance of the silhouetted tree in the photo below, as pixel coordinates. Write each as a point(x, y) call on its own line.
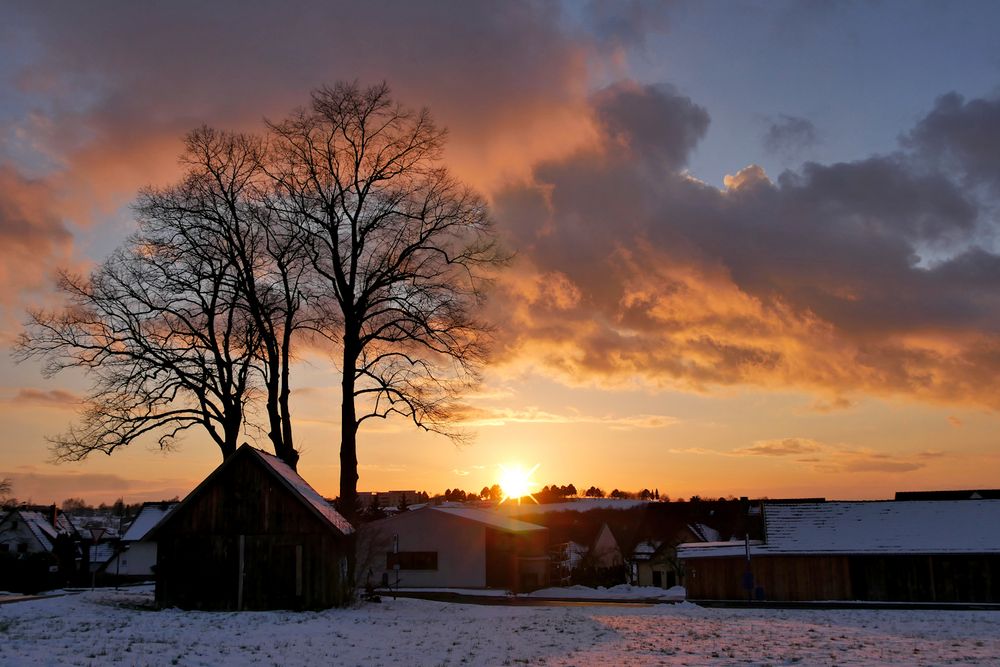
point(594, 492)
point(184, 323)
point(403, 248)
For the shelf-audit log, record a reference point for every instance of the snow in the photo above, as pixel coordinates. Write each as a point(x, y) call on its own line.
point(576, 505)
point(39, 527)
point(148, 516)
point(619, 592)
point(119, 628)
point(492, 519)
point(870, 527)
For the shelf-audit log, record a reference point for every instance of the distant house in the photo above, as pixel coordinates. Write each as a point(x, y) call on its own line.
point(655, 563)
point(26, 532)
point(452, 547)
point(252, 535)
point(936, 551)
point(135, 557)
point(605, 552)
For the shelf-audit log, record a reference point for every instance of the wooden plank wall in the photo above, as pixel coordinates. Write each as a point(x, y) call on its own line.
point(290, 559)
point(902, 578)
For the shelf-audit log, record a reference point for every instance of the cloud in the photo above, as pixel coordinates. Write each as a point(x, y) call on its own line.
point(41, 487)
point(789, 136)
point(33, 236)
point(862, 461)
point(461, 473)
point(864, 277)
point(954, 421)
point(783, 447)
point(480, 416)
point(963, 135)
point(53, 398)
point(824, 457)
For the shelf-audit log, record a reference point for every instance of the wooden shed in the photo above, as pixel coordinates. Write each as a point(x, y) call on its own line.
point(253, 535)
point(915, 551)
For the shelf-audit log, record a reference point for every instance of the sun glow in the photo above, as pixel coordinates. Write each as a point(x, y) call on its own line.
point(516, 482)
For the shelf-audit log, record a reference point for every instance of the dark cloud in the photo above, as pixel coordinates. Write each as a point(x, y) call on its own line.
point(863, 276)
point(655, 123)
point(626, 23)
point(32, 237)
point(964, 135)
point(789, 136)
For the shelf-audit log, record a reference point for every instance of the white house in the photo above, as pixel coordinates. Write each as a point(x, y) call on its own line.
point(452, 547)
point(137, 557)
point(26, 532)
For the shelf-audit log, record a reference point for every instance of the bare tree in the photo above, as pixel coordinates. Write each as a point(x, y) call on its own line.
point(193, 319)
point(404, 249)
point(159, 329)
point(227, 199)
point(5, 487)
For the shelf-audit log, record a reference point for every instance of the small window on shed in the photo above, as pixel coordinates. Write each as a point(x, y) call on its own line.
point(412, 560)
point(22, 548)
point(4, 548)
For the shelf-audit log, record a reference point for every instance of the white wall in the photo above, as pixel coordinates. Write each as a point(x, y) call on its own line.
point(460, 545)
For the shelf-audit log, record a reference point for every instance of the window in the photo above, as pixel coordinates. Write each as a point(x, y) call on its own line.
point(4, 548)
point(22, 548)
point(412, 560)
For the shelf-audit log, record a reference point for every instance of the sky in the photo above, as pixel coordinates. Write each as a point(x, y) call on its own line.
point(756, 242)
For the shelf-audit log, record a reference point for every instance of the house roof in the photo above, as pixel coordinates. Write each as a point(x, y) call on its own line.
point(149, 516)
point(870, 527)
point(39, 527)
point(705, 533)
point(491, 519)
point(281, 472)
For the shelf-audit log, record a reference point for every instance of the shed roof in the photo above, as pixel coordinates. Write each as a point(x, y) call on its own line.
point(281, 472)
point(491, 519)
point(871, 527)
point(304, 491)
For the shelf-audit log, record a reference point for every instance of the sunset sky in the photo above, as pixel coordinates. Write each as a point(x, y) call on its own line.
point(757, 242)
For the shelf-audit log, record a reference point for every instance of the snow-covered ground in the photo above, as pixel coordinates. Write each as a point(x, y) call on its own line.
point(109, 627)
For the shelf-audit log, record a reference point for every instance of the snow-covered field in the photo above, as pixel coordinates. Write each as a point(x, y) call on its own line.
point(109, 627)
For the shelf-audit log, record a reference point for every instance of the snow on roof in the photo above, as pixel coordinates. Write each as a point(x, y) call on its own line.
point(309, 494)
point(872, 527)
point(39, 527)
point(578, 505)
point(492, 519)
point(718, 549)
point(148, 516)
point(706, 533)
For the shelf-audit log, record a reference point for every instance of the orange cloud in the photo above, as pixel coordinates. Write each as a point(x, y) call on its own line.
point(53, 398)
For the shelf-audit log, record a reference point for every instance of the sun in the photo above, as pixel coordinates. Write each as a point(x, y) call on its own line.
point(516, 483)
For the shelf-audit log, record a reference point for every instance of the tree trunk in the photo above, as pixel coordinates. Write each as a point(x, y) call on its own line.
point(291, 455)
point(349, 435)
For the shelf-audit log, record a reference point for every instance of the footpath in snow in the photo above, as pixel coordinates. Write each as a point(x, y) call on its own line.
point(121, 628)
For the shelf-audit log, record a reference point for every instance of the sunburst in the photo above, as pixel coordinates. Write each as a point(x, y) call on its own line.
point(516, 483)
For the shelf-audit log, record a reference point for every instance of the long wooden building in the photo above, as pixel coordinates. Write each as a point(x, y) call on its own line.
point(914, 551)
point(252, 535)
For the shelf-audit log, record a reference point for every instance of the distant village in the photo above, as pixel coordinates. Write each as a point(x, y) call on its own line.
point(256, 535)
